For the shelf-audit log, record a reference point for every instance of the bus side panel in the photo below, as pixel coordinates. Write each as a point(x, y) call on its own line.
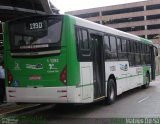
point(126, 77)
point(116, 69)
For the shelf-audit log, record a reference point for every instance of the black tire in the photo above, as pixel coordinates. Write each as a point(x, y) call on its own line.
point(111, 92)
point(147, 83)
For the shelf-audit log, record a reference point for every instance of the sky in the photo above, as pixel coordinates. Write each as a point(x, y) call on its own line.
point(70, 5)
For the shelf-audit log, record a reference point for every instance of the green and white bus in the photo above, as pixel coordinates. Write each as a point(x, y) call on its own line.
point(65, 59)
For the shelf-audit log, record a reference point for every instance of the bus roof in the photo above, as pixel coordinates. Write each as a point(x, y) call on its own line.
point(95, 26)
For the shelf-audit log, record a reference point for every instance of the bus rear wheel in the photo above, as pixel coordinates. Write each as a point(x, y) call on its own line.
point(146, 85)
point(111, 92)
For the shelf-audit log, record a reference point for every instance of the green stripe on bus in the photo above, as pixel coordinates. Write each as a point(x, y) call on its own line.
point(128, 77)
point(146, 41)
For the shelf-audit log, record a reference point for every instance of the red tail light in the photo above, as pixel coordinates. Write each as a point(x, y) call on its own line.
point(10, 77)
point(63, 76)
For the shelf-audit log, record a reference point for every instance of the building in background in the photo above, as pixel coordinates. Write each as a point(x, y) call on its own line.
point(139, 18)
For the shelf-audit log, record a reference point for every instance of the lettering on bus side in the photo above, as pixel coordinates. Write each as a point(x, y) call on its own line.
point(124, 67)
point(51, 65)
point(36, 67)
point(52, 60)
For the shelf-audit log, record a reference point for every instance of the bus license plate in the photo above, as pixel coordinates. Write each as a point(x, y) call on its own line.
point(35, 77)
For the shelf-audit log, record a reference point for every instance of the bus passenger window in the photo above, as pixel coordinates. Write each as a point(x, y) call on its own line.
point(113, 47)
point(113, 44)
point(142, 54)
point(148, 56)
point(124, 46)
point(85, 41)
point(106, 43)
point(137, 54)
point(122, 54)
point(128, 46)
point(119, 44)
point(107, 47)
point(83, 45)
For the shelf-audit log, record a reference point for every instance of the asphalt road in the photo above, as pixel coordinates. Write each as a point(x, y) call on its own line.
point(136, 103)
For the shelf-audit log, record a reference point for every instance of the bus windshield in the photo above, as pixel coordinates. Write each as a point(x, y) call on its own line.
point(29, 33)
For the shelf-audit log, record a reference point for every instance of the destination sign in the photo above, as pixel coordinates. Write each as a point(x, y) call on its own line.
point(35, 25)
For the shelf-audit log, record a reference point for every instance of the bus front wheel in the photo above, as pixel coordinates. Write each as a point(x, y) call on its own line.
point(111, 92)
point(146, 85)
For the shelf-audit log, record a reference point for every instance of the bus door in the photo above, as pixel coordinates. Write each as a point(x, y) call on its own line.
point(98, 66)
